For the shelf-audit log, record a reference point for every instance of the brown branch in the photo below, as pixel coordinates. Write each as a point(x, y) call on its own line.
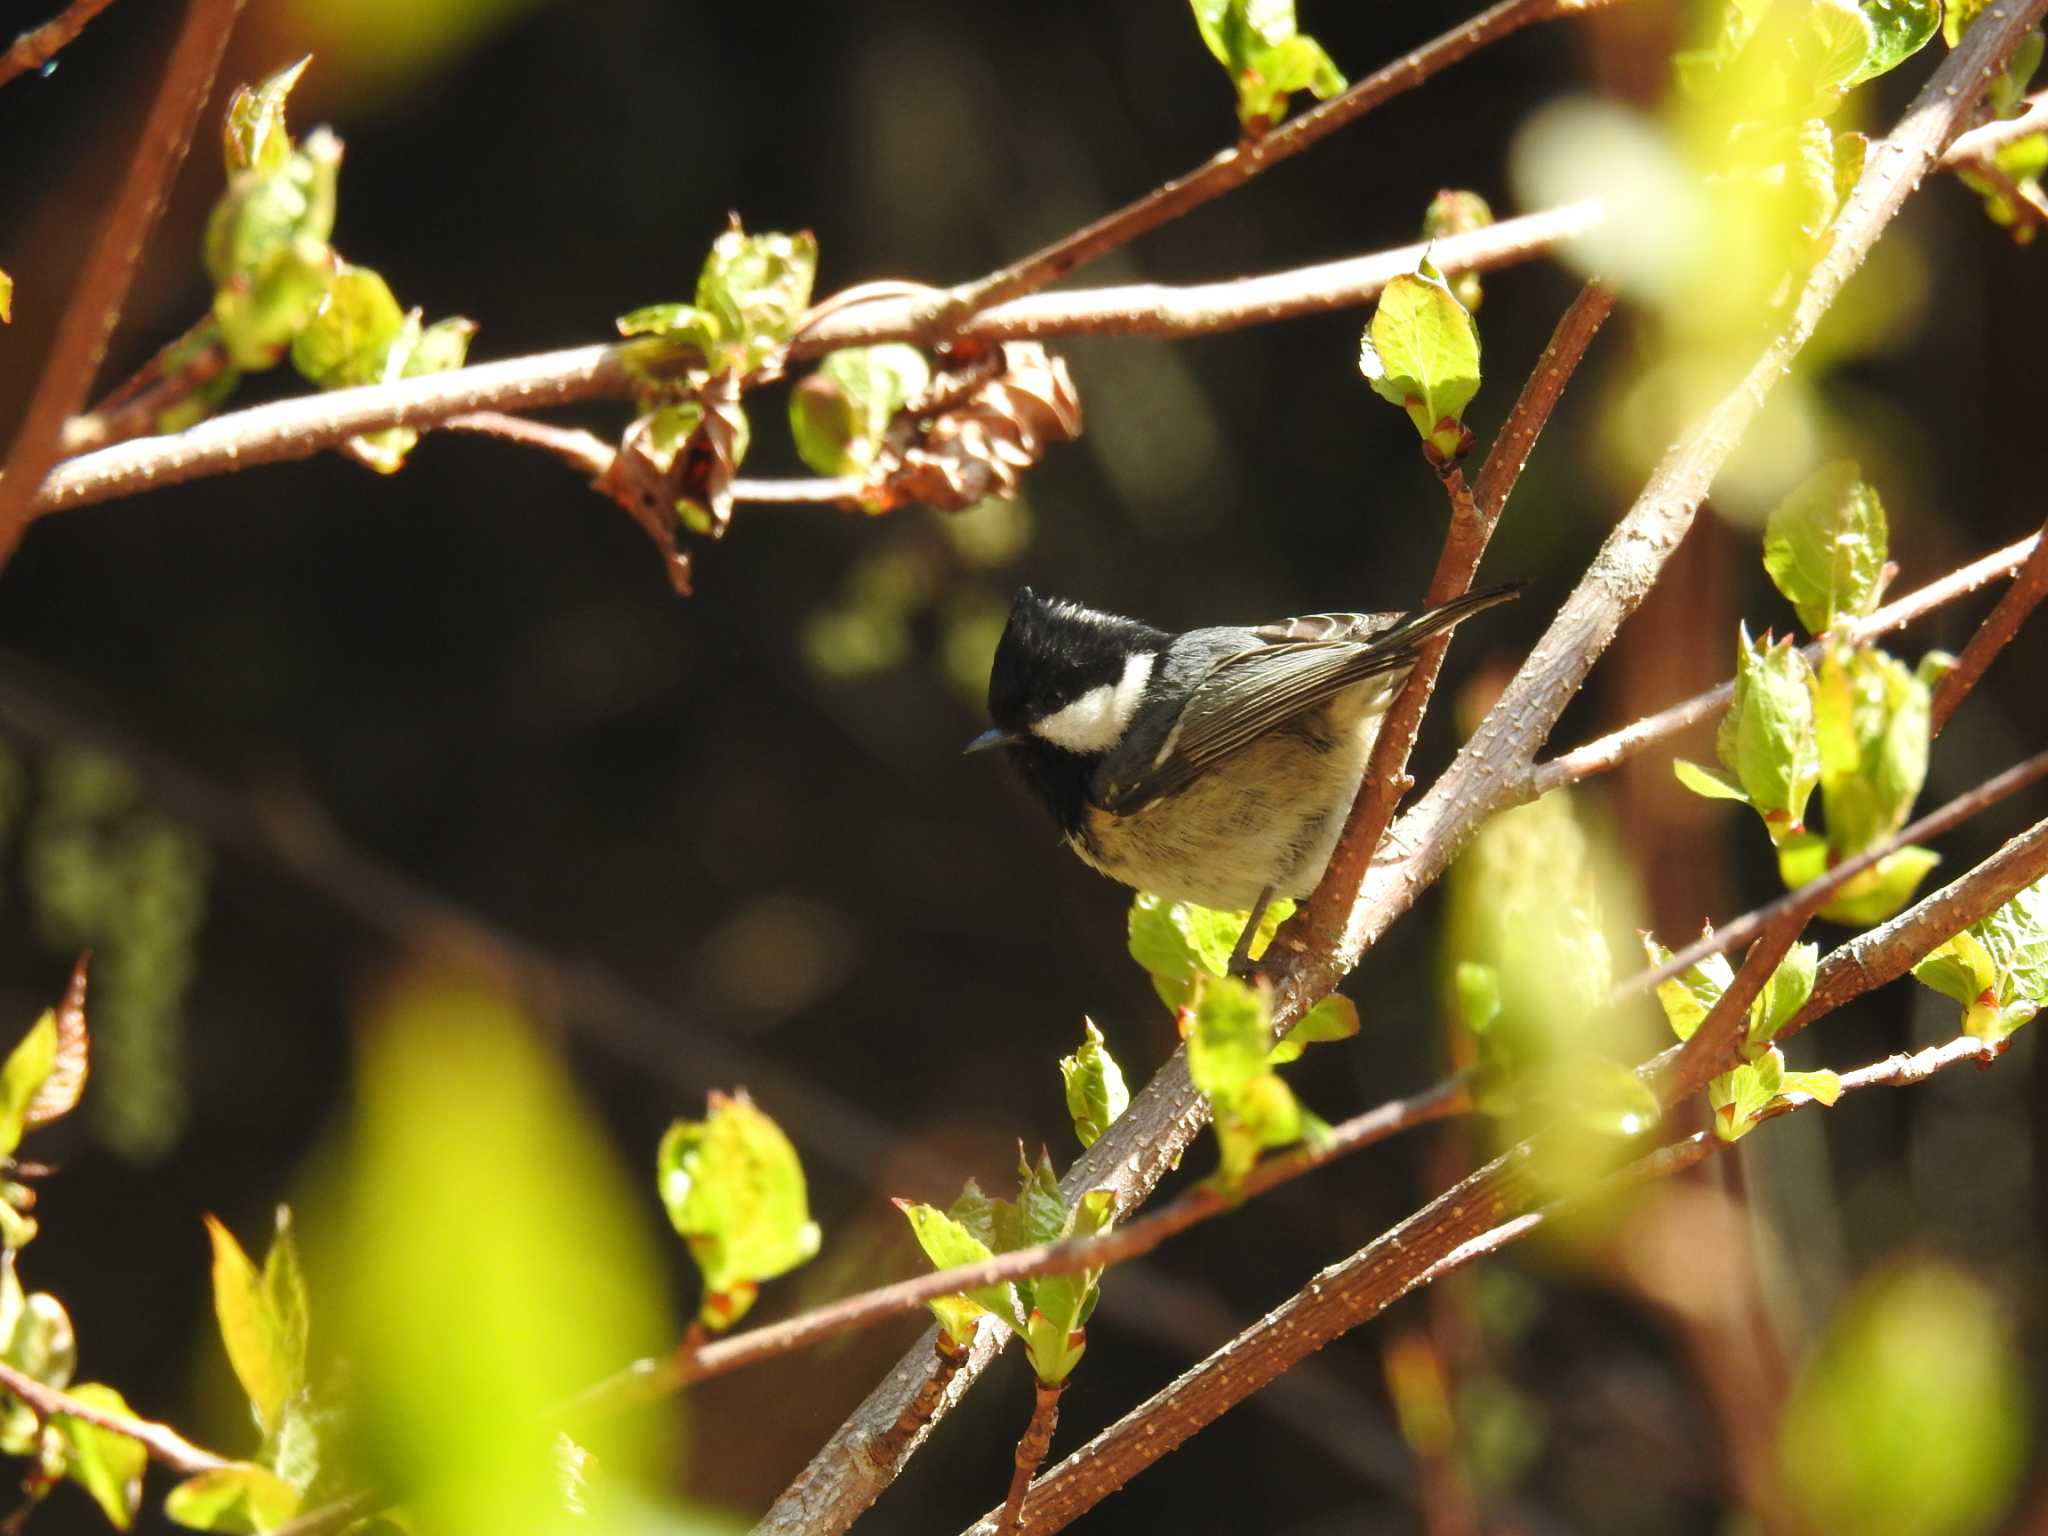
point(1993, 635)
point(1233, 167)
point(1612, 750)
point(1993, 136)
point(302, 427)
point(1031, 1449)
point(648, 1379)
point(161, 1441)
point(1320, 925)
point(585, 452)
point(95, 304)
point(1461, 1224)
point(1815, 893)
point(37, 46)
point(2026, 206)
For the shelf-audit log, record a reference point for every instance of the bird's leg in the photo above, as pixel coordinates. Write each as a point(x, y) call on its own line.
point(1241, 957)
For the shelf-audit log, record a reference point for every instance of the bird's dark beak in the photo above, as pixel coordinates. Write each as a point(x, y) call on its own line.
point(996, 736)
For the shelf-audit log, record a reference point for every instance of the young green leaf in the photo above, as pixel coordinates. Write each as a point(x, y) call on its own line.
point(347, 339)
point(1268, 60)
point(1899, 29)
point(1175, 940)
point(1602, 1095)
point(262, 1315)
point(948, 1244)
point(253, 136)
point(1230, 1039)
point(1783, 995)
point(1263, 1114)
point(1479, 996)
point(757, 287)
point(1997, 968)
point(1825, 544)
point(1096, 1093)
point(1334, 1018)
point(106, 1465)
point(1766, 739)
point(1421, 352)
point(6, 299)
point(258, 315)
point(839, 414)
point(65, 1085)
point(265, 211)
point(27, 1069)
point(1710, 783)
point(1457, 212)
point(735, 1191)
point(1689, 997)
point(234, 1499)
point(2022, 163)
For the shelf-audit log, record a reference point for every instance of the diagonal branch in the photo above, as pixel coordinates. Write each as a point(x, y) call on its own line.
point(1994, 634)
point(1460, 1223)
point(163, 1443)
point(95, 304)
point(1617, 747)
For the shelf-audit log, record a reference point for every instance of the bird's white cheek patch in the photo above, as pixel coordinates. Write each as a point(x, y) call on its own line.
point(1095, 721)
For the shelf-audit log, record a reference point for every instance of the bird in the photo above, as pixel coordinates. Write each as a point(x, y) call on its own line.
point(1214, 766)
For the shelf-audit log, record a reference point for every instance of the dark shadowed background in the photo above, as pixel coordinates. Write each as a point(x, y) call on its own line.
point(730, 839)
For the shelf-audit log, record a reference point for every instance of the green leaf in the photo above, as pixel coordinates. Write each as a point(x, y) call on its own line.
point(1456, 212)
point(686, 322)
point(1825, 545)
point(957, 1317)
point(1096, 1093)
point(1040, 1214)
point(1710, 782)
point(264, 211)
point(1689, 997)
point(757, 287)
point(1262, 1114)
point(1738, 1096)
point(1899, 29)
point(948, 1244)
point(1767, 740)
point(253, 136)
point(107, 1465)
point(1823, 1086)
point(1334, 1018)
point(259, 315)
point(1268, 60)
point(442, 348)
point(1956, 18)
point(1997, 968)
point(2010, 88)
point(1911, 1416)
point(346, 341)
point(1053, 1350)
point(1479, 997)
point(839, 414)
point(1783, 995)
point(1421, 352)
point(241, 1498)
point(27, 1068)
point(266, 1347)
point(1175, 940)
point(1882, 890)
point(6, 299)
point(1833, 49)
point(1230, 1039)
point(735, 1191)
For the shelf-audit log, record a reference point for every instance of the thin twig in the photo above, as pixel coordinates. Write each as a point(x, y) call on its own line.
point(1031, 1448)
point(161, 1441)
point(2025, 205)
point(585, 452)
point(1617, 747)
point(652, 1378)
point(1993, 136)
point(1473, 518)
point(95, 304)
point(37, 46)
point(1750, 925)
point(1233, 167)
point(1994, 634)
point(1460, 1224)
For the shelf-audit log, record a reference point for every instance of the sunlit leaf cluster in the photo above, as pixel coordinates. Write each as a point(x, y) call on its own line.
point(1268, 60)
point(1420, 351)
point(1049, 1312)
point(1856, 727)
point(1997, 968)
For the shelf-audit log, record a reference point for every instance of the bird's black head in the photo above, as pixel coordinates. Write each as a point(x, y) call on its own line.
point(1064, 683)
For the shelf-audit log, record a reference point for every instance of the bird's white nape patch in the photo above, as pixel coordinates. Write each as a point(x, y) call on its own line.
point(1095, 721)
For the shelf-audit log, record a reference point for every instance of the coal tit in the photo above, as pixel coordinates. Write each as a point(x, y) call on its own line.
point(1215, 766)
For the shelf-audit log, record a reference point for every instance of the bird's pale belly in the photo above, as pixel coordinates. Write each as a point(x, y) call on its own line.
point(1268, 816)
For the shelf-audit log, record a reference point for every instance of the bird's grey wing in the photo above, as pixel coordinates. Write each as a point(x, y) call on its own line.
point(1240, 698)
point(1329, 626)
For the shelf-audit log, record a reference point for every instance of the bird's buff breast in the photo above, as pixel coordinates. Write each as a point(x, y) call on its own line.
point(1269, 815)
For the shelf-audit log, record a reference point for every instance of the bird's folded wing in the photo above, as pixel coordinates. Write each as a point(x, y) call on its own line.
point(1242, 697)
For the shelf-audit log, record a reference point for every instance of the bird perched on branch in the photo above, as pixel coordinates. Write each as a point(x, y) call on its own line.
point(1216, 766)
